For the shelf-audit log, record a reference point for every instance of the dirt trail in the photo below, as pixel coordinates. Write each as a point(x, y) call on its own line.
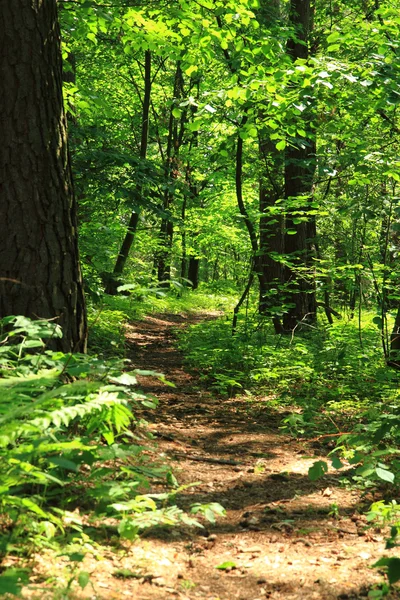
point(280, 531)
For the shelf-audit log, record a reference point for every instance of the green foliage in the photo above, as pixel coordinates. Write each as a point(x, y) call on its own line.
point(321, 367)
point(69, 437)
point(318, 470)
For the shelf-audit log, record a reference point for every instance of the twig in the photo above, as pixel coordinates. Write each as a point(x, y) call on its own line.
point(326, 435)
point(217, 461)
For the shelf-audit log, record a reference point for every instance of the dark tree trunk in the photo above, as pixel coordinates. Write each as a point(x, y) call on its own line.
point(183, 238)
point(115, 279)
point(40, 275)
point(175, 135)
point(394, 355)
point(299, 172)
point(193, 271)
point(271, 235)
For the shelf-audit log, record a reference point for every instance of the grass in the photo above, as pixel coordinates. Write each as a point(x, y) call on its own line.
point(325, 368)
point(108, 317)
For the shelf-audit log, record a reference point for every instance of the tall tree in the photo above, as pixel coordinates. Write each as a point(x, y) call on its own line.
point(40, 275)
point(299, 173)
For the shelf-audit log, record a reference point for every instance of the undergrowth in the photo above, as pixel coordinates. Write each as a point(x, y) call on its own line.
point(73, 454)
point(108, 316)
point(321, 368)
point(329, 383)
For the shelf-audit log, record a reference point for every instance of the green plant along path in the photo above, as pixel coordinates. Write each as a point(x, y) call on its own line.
point(76, 494)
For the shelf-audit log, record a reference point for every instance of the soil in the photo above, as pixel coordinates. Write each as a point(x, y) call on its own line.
point(285, 536)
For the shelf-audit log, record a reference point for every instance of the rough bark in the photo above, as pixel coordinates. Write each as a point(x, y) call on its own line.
point(40, 275)
point(299, 172)
point(271, 234)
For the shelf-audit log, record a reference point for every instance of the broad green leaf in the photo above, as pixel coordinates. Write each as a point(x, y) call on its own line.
point(125, 379)
point(281, 145)
point(384, 474)
point(336, 463)
point(83, 579)
point(64, 463)
point(335, 35)
point(318, 470)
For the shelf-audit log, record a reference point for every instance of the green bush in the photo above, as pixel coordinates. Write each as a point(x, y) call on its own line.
point(69, 438)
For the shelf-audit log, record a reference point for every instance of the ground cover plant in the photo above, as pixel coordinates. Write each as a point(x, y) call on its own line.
point(70, 441)
point(329, 383)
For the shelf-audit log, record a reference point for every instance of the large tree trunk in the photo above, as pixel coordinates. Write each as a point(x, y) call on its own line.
point(39, 265)
point(299, 172)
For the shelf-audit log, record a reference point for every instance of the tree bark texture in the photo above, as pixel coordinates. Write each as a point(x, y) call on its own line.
point(271, 233)
point(40, 275)
point(299, 173)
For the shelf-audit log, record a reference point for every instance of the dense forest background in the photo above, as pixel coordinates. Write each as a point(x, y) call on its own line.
point(213, 142)
point(237, 158)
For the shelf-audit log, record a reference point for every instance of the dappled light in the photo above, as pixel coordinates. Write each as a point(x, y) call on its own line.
point(199, 300)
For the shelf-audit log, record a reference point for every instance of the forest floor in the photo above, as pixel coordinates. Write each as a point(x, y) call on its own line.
point(285, 536)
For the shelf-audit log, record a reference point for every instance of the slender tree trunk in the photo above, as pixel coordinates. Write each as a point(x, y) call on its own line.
point(394, 355)
point(175, 135)
point(183, 236)
point(40, 275)
point(123, 255)
point(193, 271)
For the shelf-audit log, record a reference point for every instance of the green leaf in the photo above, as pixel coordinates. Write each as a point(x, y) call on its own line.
point(378, 321)
point(11, 582)
point(190, 70)
point(83, 579)
point(125, 379)
point(64, 463)
point(75, 556)
point(33, 344)
point(318, 470)
point(226, 565)
point(281, 145)
point(128, 530)
point(335, 35)
point(384, 474)
point(393, 568)
point(336, 463)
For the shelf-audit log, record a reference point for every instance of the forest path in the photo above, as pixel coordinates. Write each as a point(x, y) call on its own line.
point(280, 531)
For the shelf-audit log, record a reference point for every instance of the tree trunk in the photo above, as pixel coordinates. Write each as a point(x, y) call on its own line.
point(193, 271)
point(175, 134)
point(271, 235)
point(40, 275)
point(299, 172)
point(394, 353)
